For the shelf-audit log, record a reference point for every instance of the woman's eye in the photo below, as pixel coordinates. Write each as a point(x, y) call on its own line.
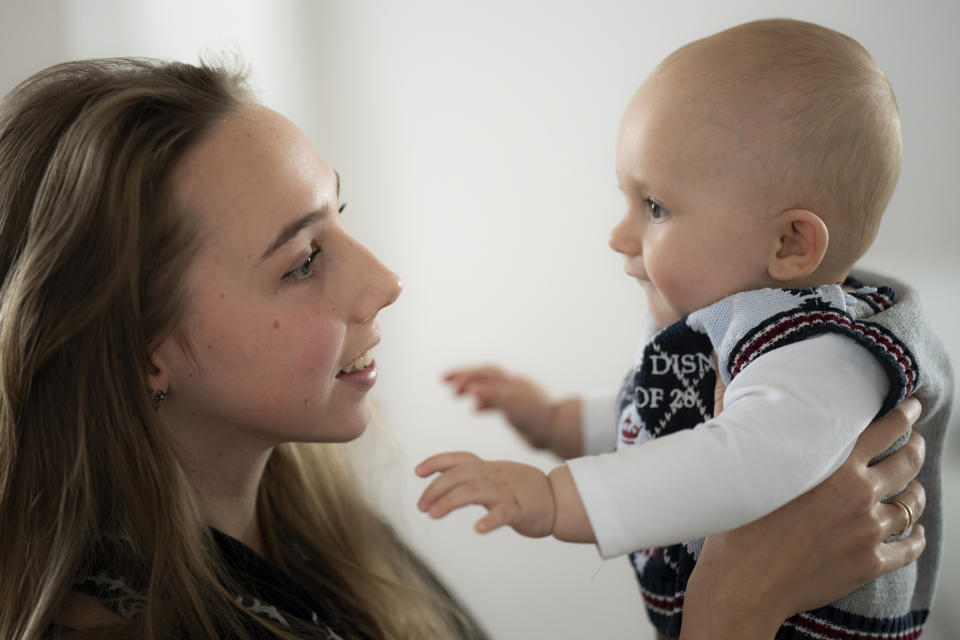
point(657, 211)
point(303, 271)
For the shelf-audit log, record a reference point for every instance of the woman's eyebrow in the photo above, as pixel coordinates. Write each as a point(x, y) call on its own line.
point(291, 230)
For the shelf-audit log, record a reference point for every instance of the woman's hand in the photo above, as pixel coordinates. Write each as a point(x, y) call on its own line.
point(816, 548)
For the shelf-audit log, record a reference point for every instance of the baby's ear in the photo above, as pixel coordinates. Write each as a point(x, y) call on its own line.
point(802, 240)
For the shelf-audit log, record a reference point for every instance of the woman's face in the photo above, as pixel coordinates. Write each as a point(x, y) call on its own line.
point(282, 302)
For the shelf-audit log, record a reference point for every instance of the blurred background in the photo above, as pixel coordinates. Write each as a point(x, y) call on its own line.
point(475, 142)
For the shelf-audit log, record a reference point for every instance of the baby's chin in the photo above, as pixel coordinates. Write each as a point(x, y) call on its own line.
point(663, 314)
point(663, 317)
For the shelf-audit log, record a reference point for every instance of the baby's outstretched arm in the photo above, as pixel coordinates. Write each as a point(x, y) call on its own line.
point(533, 503)
point(545, 423)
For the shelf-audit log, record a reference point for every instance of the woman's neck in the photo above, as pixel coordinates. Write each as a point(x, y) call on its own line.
point(225, 469)
point(232, 510)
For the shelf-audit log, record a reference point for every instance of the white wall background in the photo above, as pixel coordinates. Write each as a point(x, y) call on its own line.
point(475, 142)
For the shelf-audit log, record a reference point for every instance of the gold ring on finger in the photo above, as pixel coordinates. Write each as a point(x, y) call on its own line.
point(907, 511)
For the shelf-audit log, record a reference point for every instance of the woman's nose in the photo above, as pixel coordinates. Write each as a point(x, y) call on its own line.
point(377, 286)
point(625, 238)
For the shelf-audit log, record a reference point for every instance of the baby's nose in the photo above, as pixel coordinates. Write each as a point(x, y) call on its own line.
point(624, 239)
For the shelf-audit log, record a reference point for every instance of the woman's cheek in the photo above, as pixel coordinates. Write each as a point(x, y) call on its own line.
point(316, 348)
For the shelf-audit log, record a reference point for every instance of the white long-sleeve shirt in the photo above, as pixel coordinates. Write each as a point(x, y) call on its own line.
point(789, 420)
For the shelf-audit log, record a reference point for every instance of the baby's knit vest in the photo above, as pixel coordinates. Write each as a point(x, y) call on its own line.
point(672, 387)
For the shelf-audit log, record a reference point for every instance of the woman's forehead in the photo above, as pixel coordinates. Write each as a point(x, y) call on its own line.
point(255, 170)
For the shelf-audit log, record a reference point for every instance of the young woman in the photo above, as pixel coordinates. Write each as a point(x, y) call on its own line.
point(186, 332)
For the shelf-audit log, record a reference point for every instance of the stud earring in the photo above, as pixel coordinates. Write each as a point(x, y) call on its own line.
point(159, 397)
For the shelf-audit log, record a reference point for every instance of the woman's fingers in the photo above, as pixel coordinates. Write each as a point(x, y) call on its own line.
point(884, 431)
point(899, 517)
point(827, 541)
point(894, 555)
point(901, 466)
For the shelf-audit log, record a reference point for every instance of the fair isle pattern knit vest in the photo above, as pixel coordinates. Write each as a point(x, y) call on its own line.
point(671, 387)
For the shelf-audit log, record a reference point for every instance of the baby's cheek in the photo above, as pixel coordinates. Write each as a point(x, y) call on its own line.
point(667, 280)
point(686, 277)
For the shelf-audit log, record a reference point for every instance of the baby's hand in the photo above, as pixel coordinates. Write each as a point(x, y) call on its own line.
point(523, 403)
point(514, 494)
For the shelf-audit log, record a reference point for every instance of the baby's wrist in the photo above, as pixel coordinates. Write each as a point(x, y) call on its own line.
point(555, 510)
point(564, 435)
point(570, 522)
point(553, 408)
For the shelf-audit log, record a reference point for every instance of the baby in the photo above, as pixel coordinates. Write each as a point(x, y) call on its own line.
point(756, 165)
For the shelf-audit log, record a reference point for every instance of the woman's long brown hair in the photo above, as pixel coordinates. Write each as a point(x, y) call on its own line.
point(92, 258)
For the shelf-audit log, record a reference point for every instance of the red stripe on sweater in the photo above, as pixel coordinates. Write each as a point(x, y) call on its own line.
point(770, 335)
point(833, 632)
point(670, 605)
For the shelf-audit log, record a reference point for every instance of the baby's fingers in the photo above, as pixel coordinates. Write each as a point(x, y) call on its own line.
point(498, 516)
point(444, 461)
point(471, 490)
point(461, 378)
point(487, 394)
point(457, 469)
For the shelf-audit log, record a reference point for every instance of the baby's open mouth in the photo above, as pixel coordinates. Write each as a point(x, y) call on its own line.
point(360, 363)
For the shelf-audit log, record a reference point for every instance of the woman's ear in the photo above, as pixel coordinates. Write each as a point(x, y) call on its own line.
point(802, 239)
point(157, 371)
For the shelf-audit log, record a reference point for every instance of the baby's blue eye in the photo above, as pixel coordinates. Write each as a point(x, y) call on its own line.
point(303, 271)
point(657, 211)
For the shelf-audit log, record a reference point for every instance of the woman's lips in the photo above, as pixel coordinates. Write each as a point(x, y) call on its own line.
point(361, 361)
point(362, 371)
point(363, 377)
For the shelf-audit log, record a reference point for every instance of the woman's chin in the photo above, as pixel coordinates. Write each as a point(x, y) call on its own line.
point(346, 425)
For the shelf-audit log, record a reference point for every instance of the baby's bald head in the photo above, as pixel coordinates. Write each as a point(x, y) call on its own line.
point(814, 109)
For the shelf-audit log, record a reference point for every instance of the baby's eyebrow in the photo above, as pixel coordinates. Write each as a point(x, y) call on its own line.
point(634, 183)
